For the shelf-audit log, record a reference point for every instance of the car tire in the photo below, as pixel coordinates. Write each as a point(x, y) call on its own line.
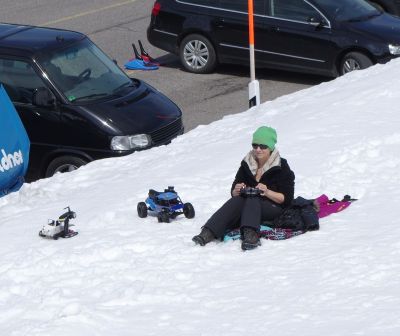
point(64, 164)
point(142, 209)
point(354, 61)
point(197, 54)
point(188, 210)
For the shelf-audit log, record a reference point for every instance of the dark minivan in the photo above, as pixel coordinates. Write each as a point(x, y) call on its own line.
point(76, 104)
point(327, 37)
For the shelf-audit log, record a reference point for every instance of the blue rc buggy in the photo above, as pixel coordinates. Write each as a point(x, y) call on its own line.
point(165, 204)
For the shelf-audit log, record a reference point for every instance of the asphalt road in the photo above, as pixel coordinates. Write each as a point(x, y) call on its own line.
point(114, 24)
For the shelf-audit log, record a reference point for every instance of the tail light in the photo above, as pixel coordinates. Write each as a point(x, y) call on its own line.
point(156, 9)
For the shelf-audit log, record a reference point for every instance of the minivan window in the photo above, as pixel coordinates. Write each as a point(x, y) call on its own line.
point(297, 10)
point(348, 10)
point(19, 80)
point(83, 72)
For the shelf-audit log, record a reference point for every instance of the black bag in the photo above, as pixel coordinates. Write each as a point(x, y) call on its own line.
point(300, 215)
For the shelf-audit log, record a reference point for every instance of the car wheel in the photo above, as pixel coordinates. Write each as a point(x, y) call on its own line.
point(354, 61)
point(188, 210)
point(197, 54)
point(163, 217)
point(64, 164)
point(142, 209)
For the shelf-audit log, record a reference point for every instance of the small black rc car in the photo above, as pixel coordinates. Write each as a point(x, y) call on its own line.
point(59, 228)
point(165, 204)
point(250, 192)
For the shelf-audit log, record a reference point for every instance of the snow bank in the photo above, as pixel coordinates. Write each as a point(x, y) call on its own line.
point(123, 275)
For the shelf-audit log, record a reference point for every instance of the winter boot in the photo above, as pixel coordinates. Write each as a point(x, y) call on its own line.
point(204, 237)
point(251, 239)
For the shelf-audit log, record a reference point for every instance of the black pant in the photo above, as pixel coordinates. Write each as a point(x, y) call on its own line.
point(242, 212)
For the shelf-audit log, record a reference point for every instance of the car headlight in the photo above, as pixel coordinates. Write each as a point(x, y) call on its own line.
point(394, 49)
point(127, 142)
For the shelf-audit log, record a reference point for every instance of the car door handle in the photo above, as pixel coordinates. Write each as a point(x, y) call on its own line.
point(274, 29)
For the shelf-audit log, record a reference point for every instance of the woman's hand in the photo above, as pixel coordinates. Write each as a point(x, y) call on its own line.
point(263, 188)
point(236, 189)
point(272, 195)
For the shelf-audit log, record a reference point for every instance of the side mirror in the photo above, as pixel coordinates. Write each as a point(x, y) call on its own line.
point(43, 97)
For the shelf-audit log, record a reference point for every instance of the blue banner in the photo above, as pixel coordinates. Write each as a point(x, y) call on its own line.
point(14, 146)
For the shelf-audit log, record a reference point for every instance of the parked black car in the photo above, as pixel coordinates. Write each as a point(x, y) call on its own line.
point(76, 104)
point(327, 37)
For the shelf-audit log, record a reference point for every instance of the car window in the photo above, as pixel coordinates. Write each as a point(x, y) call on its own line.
point(83, 72)
point(212, 3)
point(347, 10)
point(19, 80)
point(297, 10)
point(242, 6)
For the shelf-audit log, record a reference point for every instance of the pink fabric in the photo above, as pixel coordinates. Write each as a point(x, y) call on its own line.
point(326, 208)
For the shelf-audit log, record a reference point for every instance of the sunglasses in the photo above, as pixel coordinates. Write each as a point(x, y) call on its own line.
point(259, 145)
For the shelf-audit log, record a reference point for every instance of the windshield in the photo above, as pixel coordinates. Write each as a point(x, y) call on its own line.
point(82, 72)
point(347, 10)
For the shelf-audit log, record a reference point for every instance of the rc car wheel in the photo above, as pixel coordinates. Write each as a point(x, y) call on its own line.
point(64, 164)
point(197, 54)
point(188, 210)
point(354, 61)
point(164, 217)
point(142, 209)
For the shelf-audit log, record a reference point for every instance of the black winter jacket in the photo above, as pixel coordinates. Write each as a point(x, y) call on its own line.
point(278, 178)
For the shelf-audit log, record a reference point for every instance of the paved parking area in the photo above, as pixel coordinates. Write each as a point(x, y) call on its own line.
point(115, 24)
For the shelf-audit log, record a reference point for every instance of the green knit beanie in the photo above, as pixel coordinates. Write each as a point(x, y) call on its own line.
point(265, 136)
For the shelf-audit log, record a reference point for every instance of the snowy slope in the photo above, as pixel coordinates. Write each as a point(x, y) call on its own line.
point(123, 275)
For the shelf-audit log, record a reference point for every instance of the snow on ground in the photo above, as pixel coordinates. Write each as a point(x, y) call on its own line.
point(123, 275)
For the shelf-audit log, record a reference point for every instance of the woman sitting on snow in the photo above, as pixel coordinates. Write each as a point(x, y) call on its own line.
point(264, 169)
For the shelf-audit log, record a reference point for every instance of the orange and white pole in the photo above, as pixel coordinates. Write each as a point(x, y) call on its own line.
point(254, 86)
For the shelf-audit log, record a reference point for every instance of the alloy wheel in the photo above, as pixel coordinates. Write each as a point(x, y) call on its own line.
point(350, 65)
point(65, 168)
point(196, 54)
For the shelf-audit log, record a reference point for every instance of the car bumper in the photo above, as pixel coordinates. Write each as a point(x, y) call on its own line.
point(162, 39)
point(41, 154)
point(386, 58)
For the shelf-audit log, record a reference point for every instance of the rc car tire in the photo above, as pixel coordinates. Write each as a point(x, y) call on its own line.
point(197, 54)
point(142, 209)
point(164, 217)
point(63, 164)
point(188, 210)
point(354, 61)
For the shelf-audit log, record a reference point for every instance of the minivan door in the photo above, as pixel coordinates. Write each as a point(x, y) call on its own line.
point(231, 27)
point(42, 124)
point(299, 36)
